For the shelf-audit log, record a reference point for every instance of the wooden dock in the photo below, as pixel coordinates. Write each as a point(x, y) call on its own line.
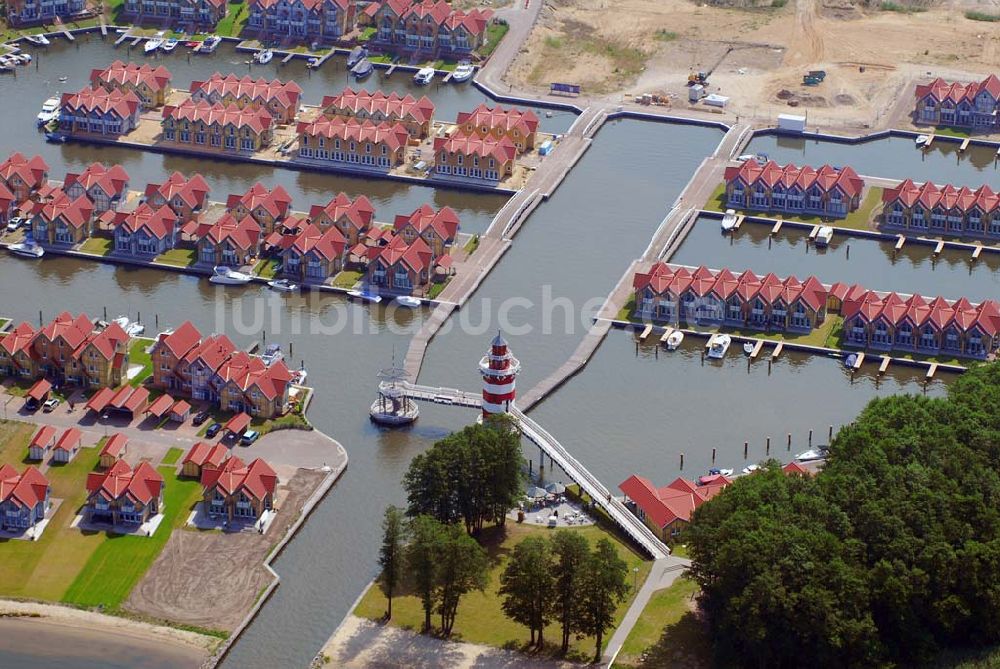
point(121, 38)
point(927, 144)
point(646, 332)
point(976, 251)
point(447, 77)
point(66, 33)
point(104, 28)
point(777, 227)
point(666, 335)
point(900, 242)
point(288, 57)
point(739, 222)
point(756, 349)
point(885, 365)
point(392, 68)
point(859, 361)
point(813, 233)
point(931, 371)
point(777, 350)
point(965, 145)
point(136, 41)
point(938, 248)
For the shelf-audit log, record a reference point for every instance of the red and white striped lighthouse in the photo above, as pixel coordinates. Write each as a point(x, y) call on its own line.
point(499, 368)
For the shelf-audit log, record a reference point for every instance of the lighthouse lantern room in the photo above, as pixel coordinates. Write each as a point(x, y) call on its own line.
point(498, 369)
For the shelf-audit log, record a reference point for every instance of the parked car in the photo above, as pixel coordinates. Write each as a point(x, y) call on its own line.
point(32, 404)
point(50, 405)
point(213, 430)
point(201, 417)
point(14, 223)
point(249, 437)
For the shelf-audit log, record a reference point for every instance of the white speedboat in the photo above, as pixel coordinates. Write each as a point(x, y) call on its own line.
point(169, 44)
point(282, 286)
point(463, 72)
point(729, 220)
point(272, 354)
point(22, 58)
point(810, 456)
point(423, 76)
point(920, 140)
point(210, 44)
point(264, 57)
point(409, 301)
point(364, 296)
point(824, 235)
point(717, 346)
point(748, 347)
point(27, 249)
point(750, 469)
point(132, 328)
point(40, 40)
point(152, 45)
point(674, 340)
point(357, 54)
point(50, 110)
point(313, 63)
point(227, 276)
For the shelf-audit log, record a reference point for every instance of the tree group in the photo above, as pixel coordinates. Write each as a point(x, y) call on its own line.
point(889, 555)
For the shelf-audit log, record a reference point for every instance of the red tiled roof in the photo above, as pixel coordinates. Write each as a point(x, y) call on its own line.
point(157, 223)
point(25, 490)
point(43, 437)
point(136, 400)
point(276, 201)
point(237, 423)
point(212, 351)
point(119, 102)
point(31, 171)
point(205, 454)
point(257, 120)
point(771, 173)
point(417, 256)
point(498, 117)
point(142, 484)
point(113, 181)
point(193, 192)
point(261, 90)
point(115, 445)
point(947, 197)
point(359, 211)
point(99, 400)
point(247, 371)
point(309, 5)
point(18, 339)
point(40, 388)
point(444, 222)
point(107, 342)
point(329, 244)
point(180, 408)
point(243, 235)
point(160, 405)
point(441, 14)
point(69, 440)
point(180, 341)
point(941, 90)
point(393, 135)
point(676, 501)
point(73, 330)
point(390, 107)
point(257, 479)
point(503, 149)
point(157, 79)
point(75, 213)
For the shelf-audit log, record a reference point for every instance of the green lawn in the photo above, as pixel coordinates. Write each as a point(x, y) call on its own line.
point(471, 245)
point(480, 618)
point(172, 456)
point(668, 631)
point(382, 58)
point(14, 438)
point(347, 279)
point(119, 562)
point(859, 219)
point(494, 33)
point(138, 355)
point(236, 17)
point(177, 257)
point(100, 246)
point(267, 268)
point(367, 34)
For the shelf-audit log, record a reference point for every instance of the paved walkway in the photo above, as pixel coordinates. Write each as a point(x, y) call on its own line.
point(664, 572)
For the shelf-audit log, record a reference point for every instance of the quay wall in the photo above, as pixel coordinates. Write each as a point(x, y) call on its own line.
point(871, 137)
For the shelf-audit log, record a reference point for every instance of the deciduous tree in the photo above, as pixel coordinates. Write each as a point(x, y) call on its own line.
point(528, 587)
point(422, 561)
point(570, 550)
point(462, 566)
point(602, 588)
point(390, 556)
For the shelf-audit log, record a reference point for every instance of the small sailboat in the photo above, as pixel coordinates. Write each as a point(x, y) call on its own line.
point(152, 44)
point(264, 57)
point(27, 249)
point(282, 286)
point(674, 340)
point(364, 296)
point(227, 276)
point(409, 301)
point(718, 345)
point(824, 235)
point(748, 347)
point(729, 220)
point(362, 69)
point(920, 140)
point(357, 54)
point(424, 76)
point(463, 72)
point(169, 45)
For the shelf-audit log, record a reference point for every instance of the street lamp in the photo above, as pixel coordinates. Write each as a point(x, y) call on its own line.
point(635, 579)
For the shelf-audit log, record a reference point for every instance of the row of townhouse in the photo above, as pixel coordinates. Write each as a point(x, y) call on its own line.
point(415, 115)
point(150, 84)
point(787, 189)
point(183, 15)
point(22, 13)
point(212, 369)
point(680, 296)
point(300, 21)
point(25, 498)
point(974, 105)
point(484, 122)
point(278, 98)
point(470, 159)
point(429, 28)
point(893, 322)
point(217, 127)
point(69, 349)
point(98, 111)
point(348, 142)
point(942, 210)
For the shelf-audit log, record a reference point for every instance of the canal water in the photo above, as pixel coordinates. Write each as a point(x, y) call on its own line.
point(871, 263)
point(889, 157)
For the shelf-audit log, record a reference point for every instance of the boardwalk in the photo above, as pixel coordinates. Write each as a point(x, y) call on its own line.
point(588, 483)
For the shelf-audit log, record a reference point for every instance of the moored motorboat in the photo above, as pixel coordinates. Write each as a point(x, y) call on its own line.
point(362, 69)
point(717, 345)
point(920, 140)
point(748, 347)
point(40, 40)
point(356, 55)
point(811, 455)
point(729, 220)
point(132, 328)
point(364, 296)
point(27, 249)
point(264, 57)
point(210, 44)
point(152, 44)
point(282, 286)
point(227, 276)
point(272, 354)
point(169, 44)
point(56, 138)
point(313, 63)
point(409, 301)
point(50, 110)
point(424, 76)
point(824, 235)
point(750, 469)
point(463, 72)
point(674, 340)
point(851, 360)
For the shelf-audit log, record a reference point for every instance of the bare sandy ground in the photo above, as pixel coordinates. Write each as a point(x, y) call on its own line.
point(212, 579)
point(363, 644)
point(189, 644)
point(758, 56)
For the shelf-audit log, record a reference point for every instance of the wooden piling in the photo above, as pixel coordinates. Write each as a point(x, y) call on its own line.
point(810, 437)
point(829, 435)
point(682, 461)
point(789, 446)
point(767, 446)
point(713, 455)
point(746, 448)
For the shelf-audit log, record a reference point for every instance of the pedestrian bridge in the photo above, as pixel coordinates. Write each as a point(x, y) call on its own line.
point(588, 483)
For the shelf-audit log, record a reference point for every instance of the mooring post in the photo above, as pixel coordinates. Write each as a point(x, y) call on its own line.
point(848, 251)
point(156, 321)
point(713, 455)
point(39, 318)
point(829, 435)
point(291, 349)
point(682, 461)
point(810, 437)
point(789, 447)
point(746, 447)
point(767, 447)
point(105, 313)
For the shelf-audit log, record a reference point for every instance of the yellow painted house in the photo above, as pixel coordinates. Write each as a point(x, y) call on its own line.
point(217, 127)
point(151, 85)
